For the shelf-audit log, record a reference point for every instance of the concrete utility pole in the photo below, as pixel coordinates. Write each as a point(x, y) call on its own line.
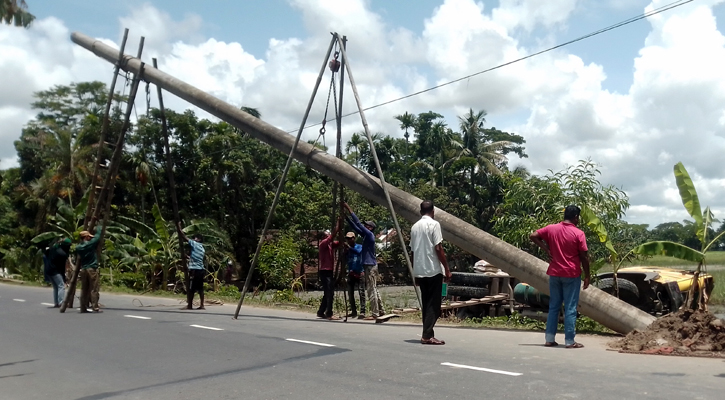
point(603, 308)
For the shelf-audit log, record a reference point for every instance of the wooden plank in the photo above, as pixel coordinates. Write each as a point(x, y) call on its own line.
point(473, 302)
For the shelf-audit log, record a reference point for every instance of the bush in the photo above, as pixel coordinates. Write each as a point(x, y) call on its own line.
point(277, 260)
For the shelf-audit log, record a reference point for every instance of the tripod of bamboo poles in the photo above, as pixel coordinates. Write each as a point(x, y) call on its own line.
point(105, 197)
point(336, 39)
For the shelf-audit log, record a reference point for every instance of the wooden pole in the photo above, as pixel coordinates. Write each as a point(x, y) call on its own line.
point(110, 180)
point(170, 175)
point(104, 133)
point(398, 231)
point(282, 180)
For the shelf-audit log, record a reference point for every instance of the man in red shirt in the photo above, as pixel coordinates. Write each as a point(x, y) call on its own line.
point(326, 258)
point(566, 247)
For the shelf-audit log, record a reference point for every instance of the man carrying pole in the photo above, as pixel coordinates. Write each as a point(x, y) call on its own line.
point(87, 251)
point(369, 261)
point(355, 275)
point(326, 272)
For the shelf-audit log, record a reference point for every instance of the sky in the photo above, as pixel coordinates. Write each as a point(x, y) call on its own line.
point(635, 100)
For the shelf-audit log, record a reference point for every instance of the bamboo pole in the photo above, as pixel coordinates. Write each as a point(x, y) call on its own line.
point(383, 185)
point(110, 180)
point(603, 308)
point(170, 176)
point(282, 181)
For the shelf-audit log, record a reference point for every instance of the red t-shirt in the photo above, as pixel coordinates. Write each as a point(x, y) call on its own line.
point(565, 242)
point(327, 255)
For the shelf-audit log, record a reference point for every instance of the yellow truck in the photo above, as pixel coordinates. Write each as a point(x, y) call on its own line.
point(655, 290)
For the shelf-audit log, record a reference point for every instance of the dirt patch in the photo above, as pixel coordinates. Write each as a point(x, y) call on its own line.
point(687, 333)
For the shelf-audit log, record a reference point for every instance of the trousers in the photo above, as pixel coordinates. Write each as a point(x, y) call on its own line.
point(90, 281)
point(430, 293)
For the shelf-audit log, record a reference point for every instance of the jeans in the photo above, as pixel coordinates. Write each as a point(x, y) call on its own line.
point(430, 293)
point(328, 288)
point(564, 290)
point(58, 289)
point(351, 282)
point(371, 286)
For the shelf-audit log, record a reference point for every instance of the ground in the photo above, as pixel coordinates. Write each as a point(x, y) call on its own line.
point(159, 351)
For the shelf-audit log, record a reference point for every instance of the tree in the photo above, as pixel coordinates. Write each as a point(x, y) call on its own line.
point(356, 142)
point(531, 203)
point(15, 13)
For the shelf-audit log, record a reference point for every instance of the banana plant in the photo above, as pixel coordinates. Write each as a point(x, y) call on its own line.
point(703, 224)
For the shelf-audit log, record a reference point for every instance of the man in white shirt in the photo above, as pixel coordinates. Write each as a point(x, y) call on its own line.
point(430, 268)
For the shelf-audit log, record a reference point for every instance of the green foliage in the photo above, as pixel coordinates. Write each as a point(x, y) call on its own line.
point(669, 249)
point(530, 203)
point(277, 260)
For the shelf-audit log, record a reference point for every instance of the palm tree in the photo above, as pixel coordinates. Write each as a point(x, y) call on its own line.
point(356, 142)
point(471, 125)
point(407, 121)
point(14, 12)
point(442, 140)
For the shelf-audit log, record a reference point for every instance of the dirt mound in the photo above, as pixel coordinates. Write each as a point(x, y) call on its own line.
point(684, 333)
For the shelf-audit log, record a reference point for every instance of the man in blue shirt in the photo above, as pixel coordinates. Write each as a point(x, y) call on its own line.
point(196, 268)
point(369, 261)
point(355, 274)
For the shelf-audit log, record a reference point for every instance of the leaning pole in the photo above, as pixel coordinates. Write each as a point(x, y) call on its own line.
point(594, 303)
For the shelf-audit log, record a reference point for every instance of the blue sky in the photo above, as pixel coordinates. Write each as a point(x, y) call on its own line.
point(635, 100)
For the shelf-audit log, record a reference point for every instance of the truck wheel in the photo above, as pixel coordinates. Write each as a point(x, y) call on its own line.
point(467, 291)
point(628, 291)
point(469, 279)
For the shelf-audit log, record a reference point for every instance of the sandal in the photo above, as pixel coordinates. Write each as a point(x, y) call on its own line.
point(432, 341)
point(371, 318)
point(333, 318)
point(551, 344)
point(574, 346)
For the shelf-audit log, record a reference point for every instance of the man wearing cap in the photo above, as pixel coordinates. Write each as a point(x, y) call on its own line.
point(430, 268)
point(90, 279)
point(58, 258)
point(369, 261)
point(196, 268)
point(355, 274)
point(326, 257)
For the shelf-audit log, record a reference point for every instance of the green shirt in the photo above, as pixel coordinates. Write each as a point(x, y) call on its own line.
point(87, 251)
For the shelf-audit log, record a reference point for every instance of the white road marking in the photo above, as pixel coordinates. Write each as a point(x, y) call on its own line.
point(493, 371)
point(20, 300)
point(206, 327)
point(308, 342)
point(47, 304)
point(136, 316)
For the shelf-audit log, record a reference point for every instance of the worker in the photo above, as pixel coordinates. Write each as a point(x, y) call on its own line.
point(355, 275)
point(566, 247)
point(369, 261)
point(90, 279)
point(326, 258)
point(430, 268)
point(196, 268)
point(58, 260)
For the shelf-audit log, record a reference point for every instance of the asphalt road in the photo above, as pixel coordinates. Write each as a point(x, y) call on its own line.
point(161, 352)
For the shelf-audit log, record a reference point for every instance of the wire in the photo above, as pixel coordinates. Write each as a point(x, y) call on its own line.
point(628, 21)
point(609, 28)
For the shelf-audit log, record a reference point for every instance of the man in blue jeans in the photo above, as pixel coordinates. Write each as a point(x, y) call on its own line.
point(566, 246)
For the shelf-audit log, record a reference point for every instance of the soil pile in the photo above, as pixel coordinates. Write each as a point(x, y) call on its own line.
point(684, 332)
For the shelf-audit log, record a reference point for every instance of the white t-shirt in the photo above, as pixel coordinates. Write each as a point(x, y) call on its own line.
point(424, 236)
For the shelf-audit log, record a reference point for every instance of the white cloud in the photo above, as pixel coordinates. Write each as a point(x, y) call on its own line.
point(672, 112)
